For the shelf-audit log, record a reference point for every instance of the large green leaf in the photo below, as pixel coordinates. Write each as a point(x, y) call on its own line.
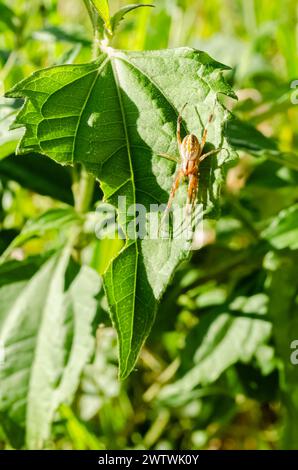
point(116, 115)
point(46, 313)
point(8, 138)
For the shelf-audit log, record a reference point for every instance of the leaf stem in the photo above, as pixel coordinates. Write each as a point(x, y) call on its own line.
point(83, 191)
point(83, 182)
point(91, 14)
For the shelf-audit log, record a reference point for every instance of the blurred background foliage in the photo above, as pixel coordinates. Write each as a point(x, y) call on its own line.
point(216, 371)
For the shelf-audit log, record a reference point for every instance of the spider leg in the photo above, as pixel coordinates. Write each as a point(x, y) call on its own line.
point(169, 157)
point(195, 192)
point(205, 132)
point(178, 177)
point(192, 190)
point(178, 133)
point(179, 140)
point(212, 152)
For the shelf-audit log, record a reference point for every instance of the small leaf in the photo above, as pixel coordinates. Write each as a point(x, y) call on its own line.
point(73, 35)
point(288, 159)
point(69, 56)
point(243, 136)
point(8, 18)
point(117, 17)
point(283, 232)
point(269, 174)
point(81, 437)
point(54, 219)
point(102, 7)
point(46, 314)
point(116, 116)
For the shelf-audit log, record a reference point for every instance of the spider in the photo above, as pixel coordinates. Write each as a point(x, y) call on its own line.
point(191, 155)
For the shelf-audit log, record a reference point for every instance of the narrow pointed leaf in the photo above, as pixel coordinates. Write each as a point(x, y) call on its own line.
point(115, 20)
point(102, 7)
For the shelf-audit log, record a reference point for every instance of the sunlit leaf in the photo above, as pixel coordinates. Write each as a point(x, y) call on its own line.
point(54, 219)
point(116, 115)
point(217, 342)
point(46, 313)
point(102, 6)
point(117, 17)
point(8, 138)
point(283, 231)
point(282, 268)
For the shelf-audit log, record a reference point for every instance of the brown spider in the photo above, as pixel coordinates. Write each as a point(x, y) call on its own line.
point(191, 155)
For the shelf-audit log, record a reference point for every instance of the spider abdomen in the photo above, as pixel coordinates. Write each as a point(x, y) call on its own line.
point(190, 149)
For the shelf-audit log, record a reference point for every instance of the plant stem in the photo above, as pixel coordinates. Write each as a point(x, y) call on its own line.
point(83, 182)
point(84, 191)
point(91, 14)
point(83, 185)
point(82, 188)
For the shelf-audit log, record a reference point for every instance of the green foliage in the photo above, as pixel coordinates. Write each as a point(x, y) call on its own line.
point(54, 219)
point(102, 6)
point(120, 14)
point(123, 116)
point(7, 18)
point(8, 138)
point(110, 23)
point(215, 371)
point(283, 309)
point(223, 339)
point(283, 232)
point(39, 174)
point(41, 371)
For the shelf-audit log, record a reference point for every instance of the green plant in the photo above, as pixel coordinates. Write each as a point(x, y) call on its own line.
point(119, 112)
point(218, 334)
